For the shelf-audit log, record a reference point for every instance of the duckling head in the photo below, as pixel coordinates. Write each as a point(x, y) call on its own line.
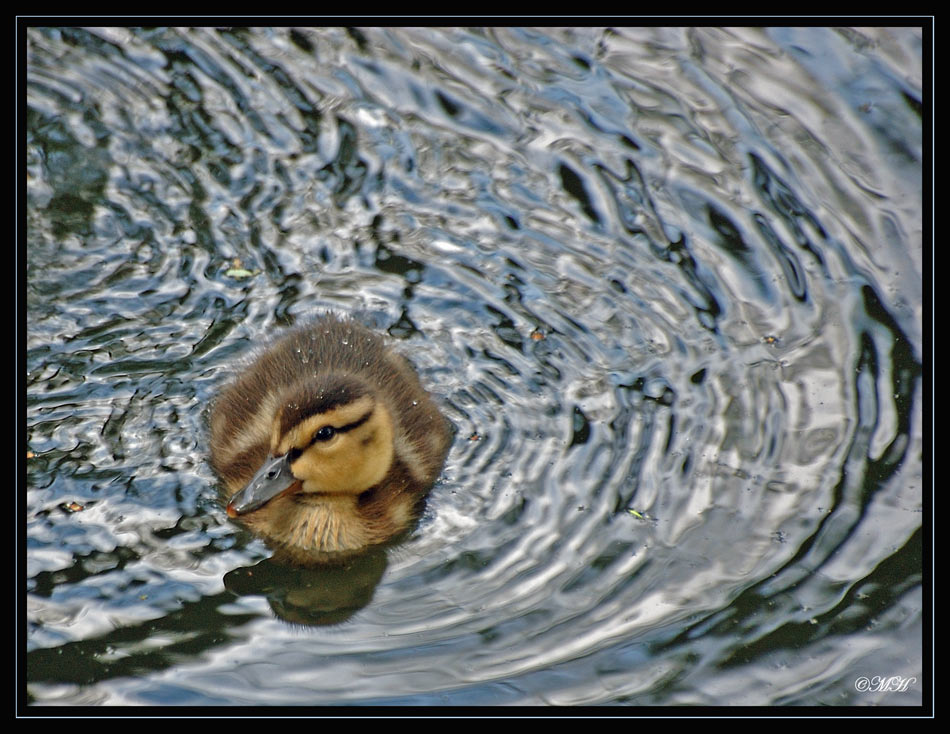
point(332, 437)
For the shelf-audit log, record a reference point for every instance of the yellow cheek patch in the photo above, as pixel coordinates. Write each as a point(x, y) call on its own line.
point(301, 435)
point(352, 461)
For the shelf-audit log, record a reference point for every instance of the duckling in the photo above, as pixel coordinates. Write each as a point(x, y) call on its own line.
point(327, 443)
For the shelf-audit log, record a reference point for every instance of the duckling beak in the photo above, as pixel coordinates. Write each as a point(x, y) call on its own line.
point(271, 479)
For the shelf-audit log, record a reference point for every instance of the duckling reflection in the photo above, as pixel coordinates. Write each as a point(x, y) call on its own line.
point(312, 596)
point(327, 444)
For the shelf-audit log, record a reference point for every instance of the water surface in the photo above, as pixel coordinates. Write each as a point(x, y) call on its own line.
point(666, 283)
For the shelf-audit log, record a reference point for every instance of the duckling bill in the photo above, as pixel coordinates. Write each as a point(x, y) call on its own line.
point(327, 443)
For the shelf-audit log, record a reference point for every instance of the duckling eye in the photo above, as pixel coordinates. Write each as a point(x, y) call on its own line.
point(324, 434)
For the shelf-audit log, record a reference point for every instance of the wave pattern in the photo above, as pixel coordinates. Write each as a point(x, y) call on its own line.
point(666, 282)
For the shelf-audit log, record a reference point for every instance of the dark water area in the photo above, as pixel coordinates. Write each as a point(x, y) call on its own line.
point(666, 283)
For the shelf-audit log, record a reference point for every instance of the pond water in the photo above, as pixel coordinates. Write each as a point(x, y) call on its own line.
point(665, 282)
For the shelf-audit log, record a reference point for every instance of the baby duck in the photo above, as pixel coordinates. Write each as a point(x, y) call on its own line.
point(327, 443)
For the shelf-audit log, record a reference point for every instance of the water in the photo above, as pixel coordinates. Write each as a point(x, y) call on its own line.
point(666, 283)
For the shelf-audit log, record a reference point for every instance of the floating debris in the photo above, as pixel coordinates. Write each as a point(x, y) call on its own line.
point(237, 270)
point(241, 273)
point(635, 513)
point(770, 340)
point(538, 335)
point(74, 507)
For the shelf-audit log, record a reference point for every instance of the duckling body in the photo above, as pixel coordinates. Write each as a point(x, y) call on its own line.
point(327, 443)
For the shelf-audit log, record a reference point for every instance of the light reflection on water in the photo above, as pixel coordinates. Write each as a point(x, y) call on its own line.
point(666, 283)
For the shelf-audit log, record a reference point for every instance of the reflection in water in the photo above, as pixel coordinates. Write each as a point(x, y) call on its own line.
point(312, 596)
point(665, 282)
